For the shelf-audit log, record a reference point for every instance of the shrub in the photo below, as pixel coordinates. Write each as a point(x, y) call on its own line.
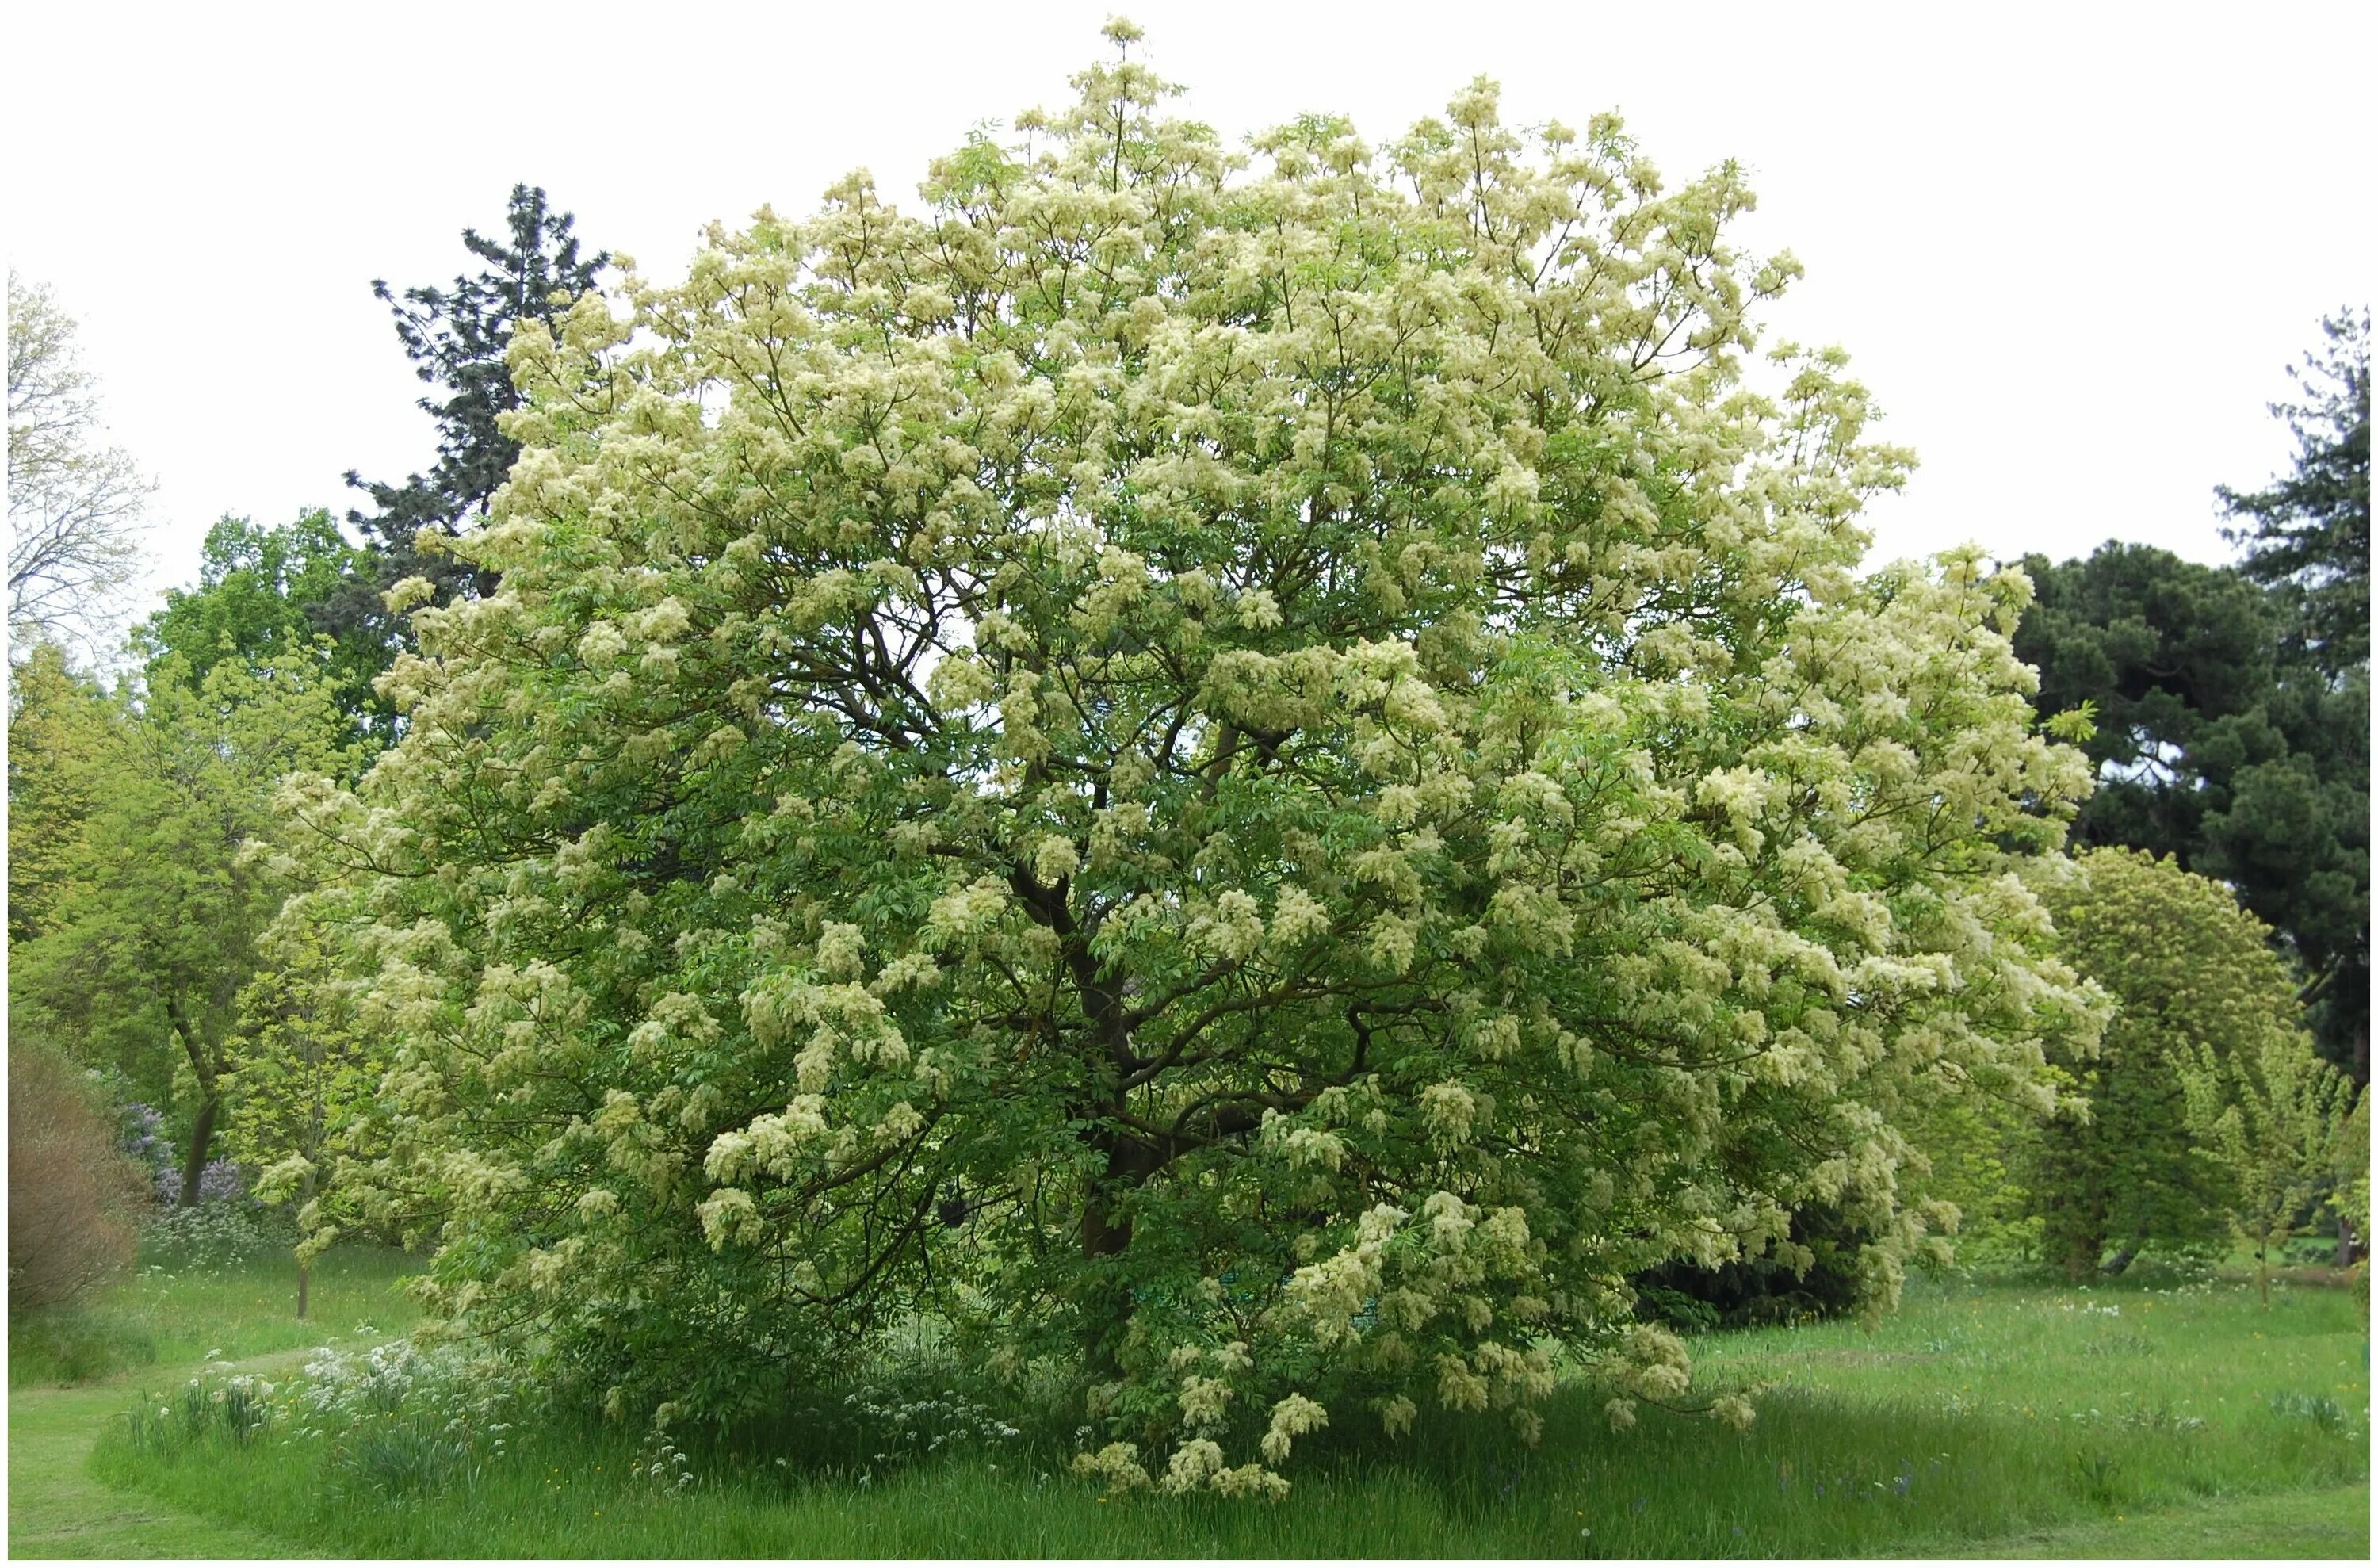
point(73, 1196)
point(214, 1235)
point(1744, 1292)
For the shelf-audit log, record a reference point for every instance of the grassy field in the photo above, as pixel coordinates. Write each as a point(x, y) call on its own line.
point(168, 1318)
point(1980, 1421)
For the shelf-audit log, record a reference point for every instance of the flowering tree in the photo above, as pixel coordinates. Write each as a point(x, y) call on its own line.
point(1262, 774)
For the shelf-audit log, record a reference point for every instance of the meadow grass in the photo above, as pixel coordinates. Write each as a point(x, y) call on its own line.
point(2116, 1421)
point(166, 1316)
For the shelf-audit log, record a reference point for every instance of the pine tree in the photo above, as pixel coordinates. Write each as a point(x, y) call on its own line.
point(2310, 531)
point(456, 338)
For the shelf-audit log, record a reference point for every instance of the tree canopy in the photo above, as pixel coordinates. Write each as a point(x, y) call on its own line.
point(2226, 736)
point(269, 592)
point(2190, 973)
point(1268, 771)
point(156, 901)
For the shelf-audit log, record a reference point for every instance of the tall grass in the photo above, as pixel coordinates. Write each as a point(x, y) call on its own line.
point(1975, 1413)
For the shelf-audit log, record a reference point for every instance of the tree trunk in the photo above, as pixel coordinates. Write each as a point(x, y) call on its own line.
point(1106, 1299)
point(194, 1163)
point(2082, 1249)
point(2348, 1246)
point(305, 1272)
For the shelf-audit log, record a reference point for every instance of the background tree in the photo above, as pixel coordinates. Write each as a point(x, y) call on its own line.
point(2271, 1115)
point(1265, 785)
point(2188, 971)
point(74, 506)
point(2308, 534)
point(457, 338)
point(2213, 749)
point(304, 1077)
point(154, 934)
point(266, 592)
point(66, 740)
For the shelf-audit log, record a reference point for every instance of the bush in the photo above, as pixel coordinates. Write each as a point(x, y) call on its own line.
point(72, 1197)
point(217, 1234)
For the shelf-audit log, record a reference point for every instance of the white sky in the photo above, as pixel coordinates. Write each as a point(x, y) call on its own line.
point(2070, 249)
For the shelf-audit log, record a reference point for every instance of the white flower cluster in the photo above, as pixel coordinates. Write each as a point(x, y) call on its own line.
point(910, 1427)
point(464, 1399)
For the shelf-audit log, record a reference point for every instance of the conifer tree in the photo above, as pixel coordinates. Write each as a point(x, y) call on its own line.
point(456, 338)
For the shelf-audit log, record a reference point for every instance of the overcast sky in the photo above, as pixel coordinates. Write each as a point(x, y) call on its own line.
point(2070, 249)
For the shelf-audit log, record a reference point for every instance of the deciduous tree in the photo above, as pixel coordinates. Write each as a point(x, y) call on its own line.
point(2188, 971)
point(264, 592)
point(2271, 1115)
point(154, 934)
point(305, 1077)
point(74, 505)
point(1260, 775)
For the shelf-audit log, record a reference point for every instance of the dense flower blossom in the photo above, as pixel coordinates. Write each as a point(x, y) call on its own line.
point(1257, 775)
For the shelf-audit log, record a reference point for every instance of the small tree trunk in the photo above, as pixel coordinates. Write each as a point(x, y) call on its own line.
point(304, 1261)
point(194, 1165)
point(2348, 1246)
point(2263, 1267)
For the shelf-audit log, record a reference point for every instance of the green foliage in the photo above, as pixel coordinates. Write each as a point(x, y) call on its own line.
point(304, 1077)
point(268, 593)
point(66, 740)
point(2188, 973)
point(2271, 1113)
point(2213, 750)
point(1979, 1155)
point(1263, 776)
point(457, 339)
point(2350, 1197)
point(2309, 533)
point(157, 906)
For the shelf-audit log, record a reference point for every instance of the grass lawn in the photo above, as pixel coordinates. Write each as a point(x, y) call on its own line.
point(161, 1324)
point(1980, 1421)
point(171, 1318)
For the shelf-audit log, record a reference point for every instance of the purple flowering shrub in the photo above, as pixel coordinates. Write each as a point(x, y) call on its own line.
point(225, 1226)
point(143, 1138)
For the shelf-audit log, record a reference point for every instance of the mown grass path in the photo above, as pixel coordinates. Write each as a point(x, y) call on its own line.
point(57, 1508)
point(2329, 1524)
